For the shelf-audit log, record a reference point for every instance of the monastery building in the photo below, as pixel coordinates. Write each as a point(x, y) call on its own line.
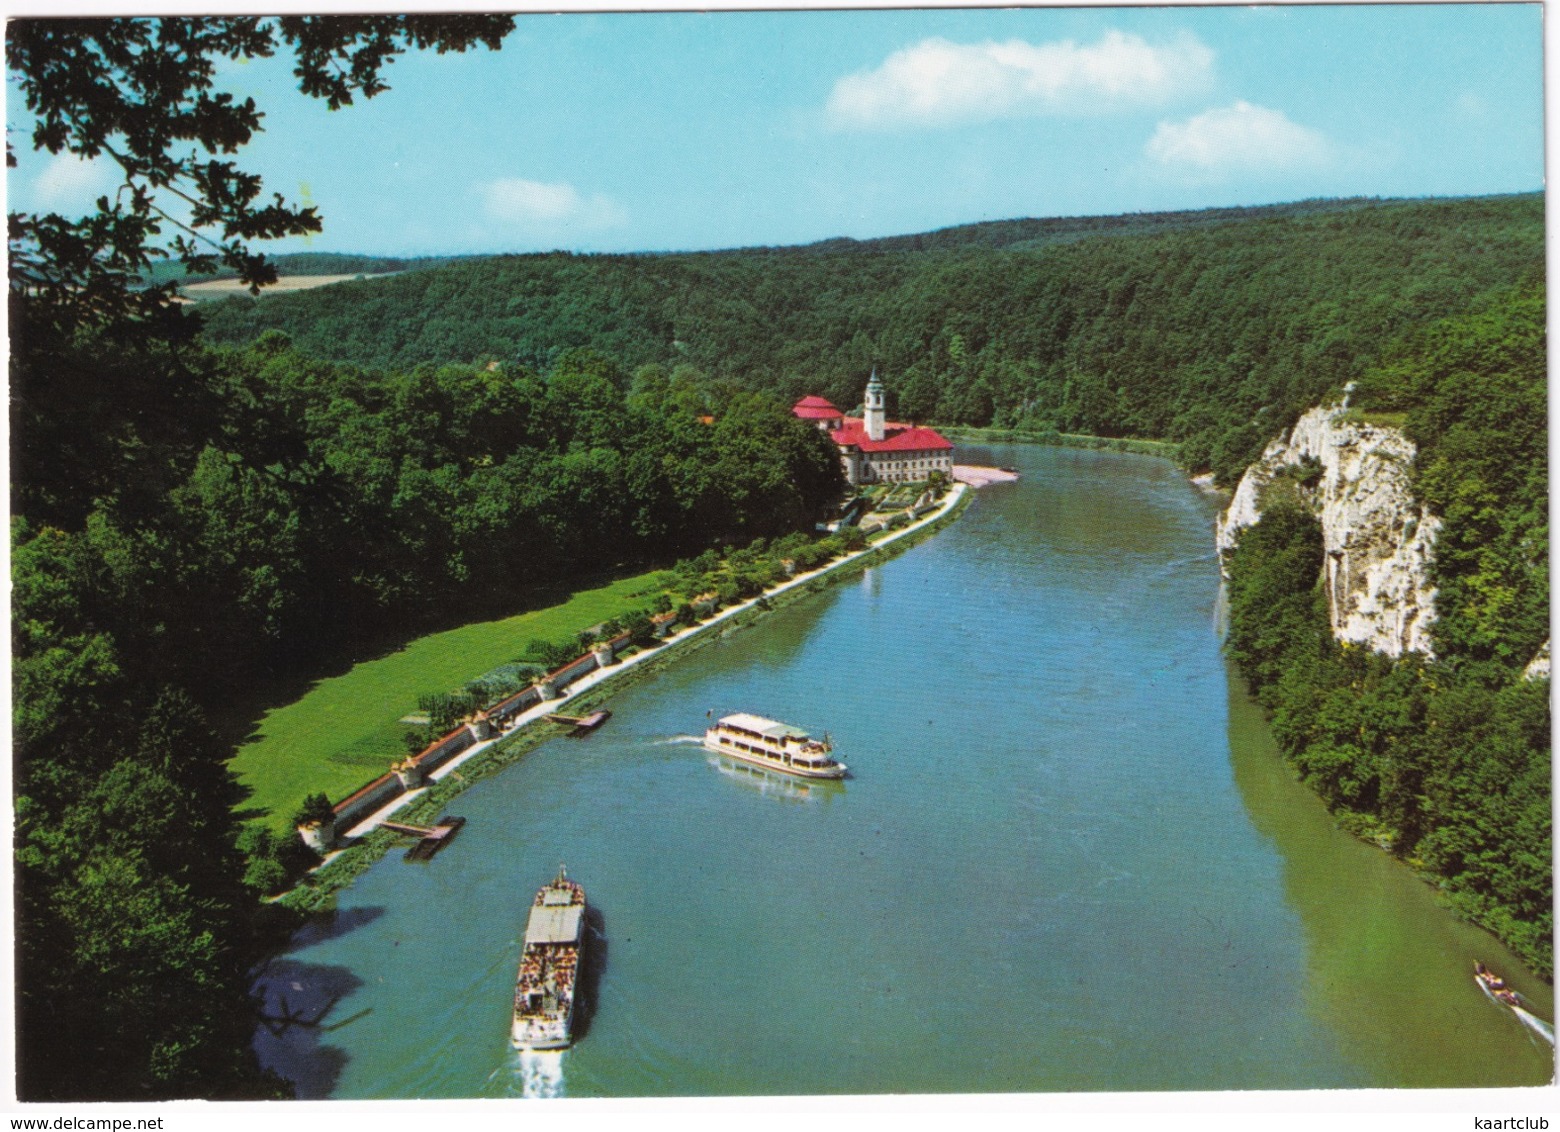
point(876, 450)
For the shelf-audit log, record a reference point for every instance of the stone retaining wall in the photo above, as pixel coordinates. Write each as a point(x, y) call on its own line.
point(357, 806)
point(438, 753)
point(505, 710)
point(384, 789)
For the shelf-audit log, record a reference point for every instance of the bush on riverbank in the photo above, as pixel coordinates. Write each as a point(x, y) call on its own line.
point(736, 574)
point(317, 890)
point(273, 521)
point(1445, 761)
point(1446, 766)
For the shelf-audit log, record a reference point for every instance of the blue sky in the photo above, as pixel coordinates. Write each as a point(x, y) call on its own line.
point(658, 131)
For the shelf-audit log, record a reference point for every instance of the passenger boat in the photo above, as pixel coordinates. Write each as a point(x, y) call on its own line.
point(549, 966)
point(777, 746)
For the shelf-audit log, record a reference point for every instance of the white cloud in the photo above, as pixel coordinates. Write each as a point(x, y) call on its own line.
point(68, 182)
point(542, 208)
point(1239, 138)
point(939, 83)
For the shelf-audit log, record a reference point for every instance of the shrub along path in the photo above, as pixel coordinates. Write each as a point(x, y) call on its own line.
point(343, 866)
point(346, 729)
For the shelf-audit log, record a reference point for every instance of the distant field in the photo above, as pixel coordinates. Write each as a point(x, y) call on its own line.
point(345, 730)
point(222, 288)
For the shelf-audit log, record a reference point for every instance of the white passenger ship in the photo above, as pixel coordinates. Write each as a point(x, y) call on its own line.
point(778, 746)
point(549, 966)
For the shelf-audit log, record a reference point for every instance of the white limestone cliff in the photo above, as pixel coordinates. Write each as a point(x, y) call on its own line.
point(1378, 540)
point(1538, 667)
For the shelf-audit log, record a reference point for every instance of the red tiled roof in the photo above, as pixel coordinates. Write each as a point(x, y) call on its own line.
point(852, 433)
point(427, 752)
point(814, 409)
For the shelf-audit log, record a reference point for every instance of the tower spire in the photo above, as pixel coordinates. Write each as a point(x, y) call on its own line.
point(873, 405)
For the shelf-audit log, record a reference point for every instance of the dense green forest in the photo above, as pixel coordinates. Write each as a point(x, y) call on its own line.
point(1445, 761)
point(196, 531)
point(279, 511)
point(195, 518)
point(1214, 329)
point(191, 519)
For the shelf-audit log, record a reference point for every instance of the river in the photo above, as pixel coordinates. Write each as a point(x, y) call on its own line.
point(1067, 858)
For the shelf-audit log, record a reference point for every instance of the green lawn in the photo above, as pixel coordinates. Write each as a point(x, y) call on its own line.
point(344, 732)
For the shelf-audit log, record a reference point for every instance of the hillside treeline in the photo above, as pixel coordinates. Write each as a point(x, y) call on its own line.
point(1445, 761)
point(186, 521)
point(1212, 329)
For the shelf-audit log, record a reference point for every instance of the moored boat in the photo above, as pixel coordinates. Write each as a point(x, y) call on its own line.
point(549, 966)
point(777, 746)
point(583, 724)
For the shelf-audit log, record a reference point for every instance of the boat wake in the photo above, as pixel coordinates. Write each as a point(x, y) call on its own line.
point(677, 740)
point(541, 1073)
point(1536, 1024)
point(1505, 996)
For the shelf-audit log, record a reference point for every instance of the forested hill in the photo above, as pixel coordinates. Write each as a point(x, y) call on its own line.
point(1214, 329)
point(1444, 761)
point(1029, 234)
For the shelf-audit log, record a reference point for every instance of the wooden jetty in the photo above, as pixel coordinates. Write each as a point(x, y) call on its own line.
point(431, 838)
point(582, 724)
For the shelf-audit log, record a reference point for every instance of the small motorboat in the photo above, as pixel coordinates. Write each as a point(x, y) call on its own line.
point(1494, 986)
point(1497, 991)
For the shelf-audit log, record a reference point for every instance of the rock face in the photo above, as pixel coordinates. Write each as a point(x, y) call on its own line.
point(1378, 540)
point(1538, 667)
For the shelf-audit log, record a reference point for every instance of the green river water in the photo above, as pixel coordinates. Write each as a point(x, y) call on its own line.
point(1067, 858)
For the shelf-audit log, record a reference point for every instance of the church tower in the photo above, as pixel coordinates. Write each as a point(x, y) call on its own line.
point(874, 418)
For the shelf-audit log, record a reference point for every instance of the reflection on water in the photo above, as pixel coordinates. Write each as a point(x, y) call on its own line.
point(1390, 968)
point(770, 784)
point(298, 1018)
point(1062, 863)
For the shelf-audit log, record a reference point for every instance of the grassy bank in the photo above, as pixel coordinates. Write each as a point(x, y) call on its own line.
point(345, 730)
point(321, 886)
point(1164, 448)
